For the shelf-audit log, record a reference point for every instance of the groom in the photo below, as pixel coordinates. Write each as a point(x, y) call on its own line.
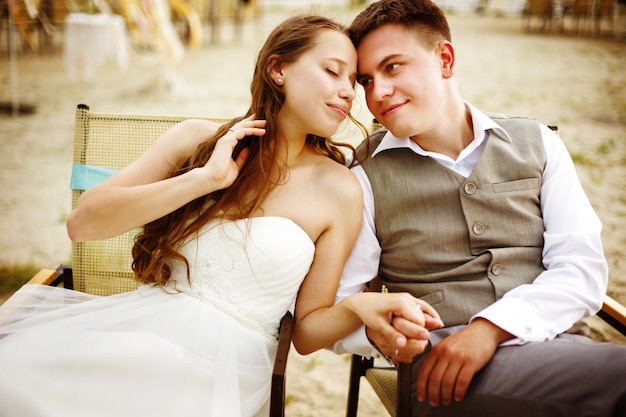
point(482, 216)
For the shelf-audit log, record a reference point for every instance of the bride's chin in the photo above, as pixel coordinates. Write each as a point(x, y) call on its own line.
point(331, 129)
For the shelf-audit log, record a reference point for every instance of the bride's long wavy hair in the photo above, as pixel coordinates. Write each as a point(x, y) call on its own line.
point(160, 239)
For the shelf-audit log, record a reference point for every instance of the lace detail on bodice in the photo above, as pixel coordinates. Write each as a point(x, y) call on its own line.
point(250, 268)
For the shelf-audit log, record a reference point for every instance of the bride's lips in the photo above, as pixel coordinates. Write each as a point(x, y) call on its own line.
point(342, 111)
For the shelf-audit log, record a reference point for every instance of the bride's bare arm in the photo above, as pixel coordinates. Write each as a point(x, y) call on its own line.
point(319, 322)
point(142, 191)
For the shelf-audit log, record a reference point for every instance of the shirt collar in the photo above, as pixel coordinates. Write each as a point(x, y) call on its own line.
point(482, 126)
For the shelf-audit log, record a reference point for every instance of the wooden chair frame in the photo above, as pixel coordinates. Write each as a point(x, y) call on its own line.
point(392, 385)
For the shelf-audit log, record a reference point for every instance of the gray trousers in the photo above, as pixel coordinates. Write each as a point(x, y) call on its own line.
point(570, 376)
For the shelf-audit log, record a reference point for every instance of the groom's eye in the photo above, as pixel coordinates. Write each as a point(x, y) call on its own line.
point(364, 81)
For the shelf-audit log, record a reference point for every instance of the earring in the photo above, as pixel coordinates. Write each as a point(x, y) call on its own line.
point(279, 81)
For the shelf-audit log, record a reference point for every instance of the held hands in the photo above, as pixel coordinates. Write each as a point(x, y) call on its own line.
point(398, 324)
point(221, 169)
point(450, 366)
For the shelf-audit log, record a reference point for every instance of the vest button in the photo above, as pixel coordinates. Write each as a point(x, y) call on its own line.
point(478, 228)
point(496, 269)
point(470, 188)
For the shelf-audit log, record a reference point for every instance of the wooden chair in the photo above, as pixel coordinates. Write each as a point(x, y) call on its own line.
point(104, 143)
point(392, 384)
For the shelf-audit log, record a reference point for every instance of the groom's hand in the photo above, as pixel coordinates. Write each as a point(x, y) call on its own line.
point(447, 371)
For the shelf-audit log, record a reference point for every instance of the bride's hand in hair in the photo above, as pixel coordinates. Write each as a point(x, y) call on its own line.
point(222, 169)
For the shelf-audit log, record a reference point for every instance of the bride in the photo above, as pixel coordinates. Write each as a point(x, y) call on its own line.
point(239, 219)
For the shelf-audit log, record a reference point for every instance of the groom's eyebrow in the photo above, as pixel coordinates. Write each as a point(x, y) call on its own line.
point(386, 60)
point(381, 65)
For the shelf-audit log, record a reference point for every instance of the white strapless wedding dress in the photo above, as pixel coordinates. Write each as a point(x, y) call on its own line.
point(204, 348)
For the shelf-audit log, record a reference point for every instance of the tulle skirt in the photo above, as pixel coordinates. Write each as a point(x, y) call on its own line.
point(142, 353)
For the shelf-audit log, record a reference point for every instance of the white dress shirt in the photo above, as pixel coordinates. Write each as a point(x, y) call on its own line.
point(576, 276)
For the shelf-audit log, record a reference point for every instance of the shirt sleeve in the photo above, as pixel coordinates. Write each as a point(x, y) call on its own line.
point(575, 280)
point(361, 267)
point(356, 343)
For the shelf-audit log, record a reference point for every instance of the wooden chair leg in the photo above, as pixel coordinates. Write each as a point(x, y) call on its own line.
point(277, 397)
point(358, 366)
point(404, 390)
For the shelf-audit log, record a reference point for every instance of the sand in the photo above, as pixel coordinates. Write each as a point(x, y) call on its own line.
point(575, 82)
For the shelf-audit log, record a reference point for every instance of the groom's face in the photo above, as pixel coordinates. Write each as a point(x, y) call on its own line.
point(402, 79)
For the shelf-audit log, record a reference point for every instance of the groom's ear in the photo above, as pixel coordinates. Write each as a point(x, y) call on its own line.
point(446, 55)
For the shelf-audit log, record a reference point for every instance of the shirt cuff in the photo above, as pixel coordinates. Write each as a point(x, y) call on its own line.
point(356, 343)
point(515, 317)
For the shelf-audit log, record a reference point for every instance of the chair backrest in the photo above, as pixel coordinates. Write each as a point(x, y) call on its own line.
point(104, 143)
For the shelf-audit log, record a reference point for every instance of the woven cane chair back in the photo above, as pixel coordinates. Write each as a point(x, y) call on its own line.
point(103, 144)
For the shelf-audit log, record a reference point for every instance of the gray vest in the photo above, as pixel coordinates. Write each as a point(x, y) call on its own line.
point(457, 243)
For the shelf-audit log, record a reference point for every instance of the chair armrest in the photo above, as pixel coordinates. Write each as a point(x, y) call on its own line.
point(277, 399)
point(44, 277)
point(62, 275)
point(614, 313)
